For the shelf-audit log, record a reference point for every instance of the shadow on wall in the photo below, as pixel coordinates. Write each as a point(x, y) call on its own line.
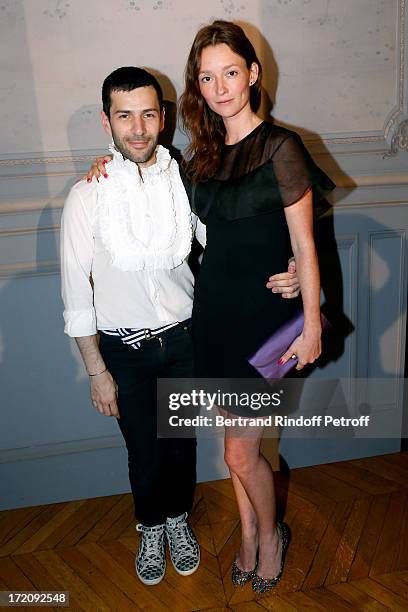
point(270, 69)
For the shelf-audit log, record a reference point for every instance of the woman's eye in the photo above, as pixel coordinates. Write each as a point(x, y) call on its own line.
point(232, 72)
point(205, 79)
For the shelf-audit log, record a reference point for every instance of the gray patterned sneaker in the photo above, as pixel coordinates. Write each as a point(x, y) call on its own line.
point(184, 548)
point(151, 557)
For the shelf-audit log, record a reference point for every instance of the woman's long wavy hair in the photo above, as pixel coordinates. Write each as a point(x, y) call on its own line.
point(203, 126)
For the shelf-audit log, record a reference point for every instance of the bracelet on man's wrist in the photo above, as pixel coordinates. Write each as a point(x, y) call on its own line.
point(98, 373)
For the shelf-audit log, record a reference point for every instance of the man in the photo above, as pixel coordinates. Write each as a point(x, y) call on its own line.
point(128, 291)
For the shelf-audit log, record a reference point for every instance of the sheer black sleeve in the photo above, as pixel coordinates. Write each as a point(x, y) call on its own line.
point(266, 171)
point(295, 172)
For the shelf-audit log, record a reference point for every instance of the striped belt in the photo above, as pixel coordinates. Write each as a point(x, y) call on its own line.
point(133, 337)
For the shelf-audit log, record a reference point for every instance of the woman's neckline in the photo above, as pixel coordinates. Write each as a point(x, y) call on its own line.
point(251, 133)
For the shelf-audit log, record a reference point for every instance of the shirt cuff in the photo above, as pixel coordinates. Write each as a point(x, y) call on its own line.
point(80, 323)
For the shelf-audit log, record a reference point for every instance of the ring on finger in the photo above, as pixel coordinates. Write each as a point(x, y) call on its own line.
point(293, 356)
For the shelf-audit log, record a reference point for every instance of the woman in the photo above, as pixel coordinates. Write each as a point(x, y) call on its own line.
point(253, 188)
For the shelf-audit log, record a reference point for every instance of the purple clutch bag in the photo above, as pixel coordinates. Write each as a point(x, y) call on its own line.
point(265, 359)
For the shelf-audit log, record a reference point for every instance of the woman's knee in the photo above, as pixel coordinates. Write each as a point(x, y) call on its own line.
point(240, 460)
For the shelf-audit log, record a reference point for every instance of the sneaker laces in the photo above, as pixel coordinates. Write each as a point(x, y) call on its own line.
point(180, 531)
point(151, 544)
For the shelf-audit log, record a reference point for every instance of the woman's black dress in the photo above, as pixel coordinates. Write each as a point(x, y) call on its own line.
point(247, 241)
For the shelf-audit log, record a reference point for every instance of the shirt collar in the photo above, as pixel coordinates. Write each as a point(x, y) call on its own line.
point(162, 163)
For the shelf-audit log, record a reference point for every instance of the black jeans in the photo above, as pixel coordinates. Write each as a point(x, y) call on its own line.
point(162, 472)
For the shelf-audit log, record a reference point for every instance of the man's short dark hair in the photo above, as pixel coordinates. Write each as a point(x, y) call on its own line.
point(128, 78)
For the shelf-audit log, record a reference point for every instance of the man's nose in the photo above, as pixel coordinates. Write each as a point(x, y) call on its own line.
point(138, 125)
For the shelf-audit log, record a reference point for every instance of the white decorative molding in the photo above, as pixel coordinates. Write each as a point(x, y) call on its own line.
point(22, 269)
point(349, 244)
point(390, 140)
point(27, 231)
point(30, 268)
point(370, 180)
point(63, 158)
point(357, 205)
point(395, 395)
point(341, 181)
point(27, 206)
point(400, 282)
point(399, 141)
point(400, 115)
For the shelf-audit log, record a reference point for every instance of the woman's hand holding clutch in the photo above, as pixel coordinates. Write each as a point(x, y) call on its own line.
point(306, 348)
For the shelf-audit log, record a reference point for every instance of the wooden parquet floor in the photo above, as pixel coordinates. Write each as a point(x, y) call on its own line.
point(349, 548)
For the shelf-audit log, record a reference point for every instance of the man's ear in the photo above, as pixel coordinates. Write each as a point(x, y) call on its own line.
point(106, 123)
point(162, 118)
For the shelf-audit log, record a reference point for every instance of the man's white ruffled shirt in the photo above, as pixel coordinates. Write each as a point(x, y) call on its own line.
point(124, 248)
point(144, 217)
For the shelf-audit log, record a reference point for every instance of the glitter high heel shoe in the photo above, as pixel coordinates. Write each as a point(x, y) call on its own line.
point(239, 576)
point(261, 585)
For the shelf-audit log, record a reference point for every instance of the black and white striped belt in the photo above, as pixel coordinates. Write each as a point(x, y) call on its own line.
point(134, 337)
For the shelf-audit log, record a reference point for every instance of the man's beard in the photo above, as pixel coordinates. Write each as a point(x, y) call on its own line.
point(141, 157)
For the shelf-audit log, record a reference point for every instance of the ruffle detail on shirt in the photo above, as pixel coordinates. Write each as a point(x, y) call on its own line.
point(144, 220)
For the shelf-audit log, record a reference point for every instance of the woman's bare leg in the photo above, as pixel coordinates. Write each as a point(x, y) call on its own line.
point(249, 529)
point(254, 486)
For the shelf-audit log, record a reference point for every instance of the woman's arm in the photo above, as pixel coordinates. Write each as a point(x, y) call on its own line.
point(299, 217)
